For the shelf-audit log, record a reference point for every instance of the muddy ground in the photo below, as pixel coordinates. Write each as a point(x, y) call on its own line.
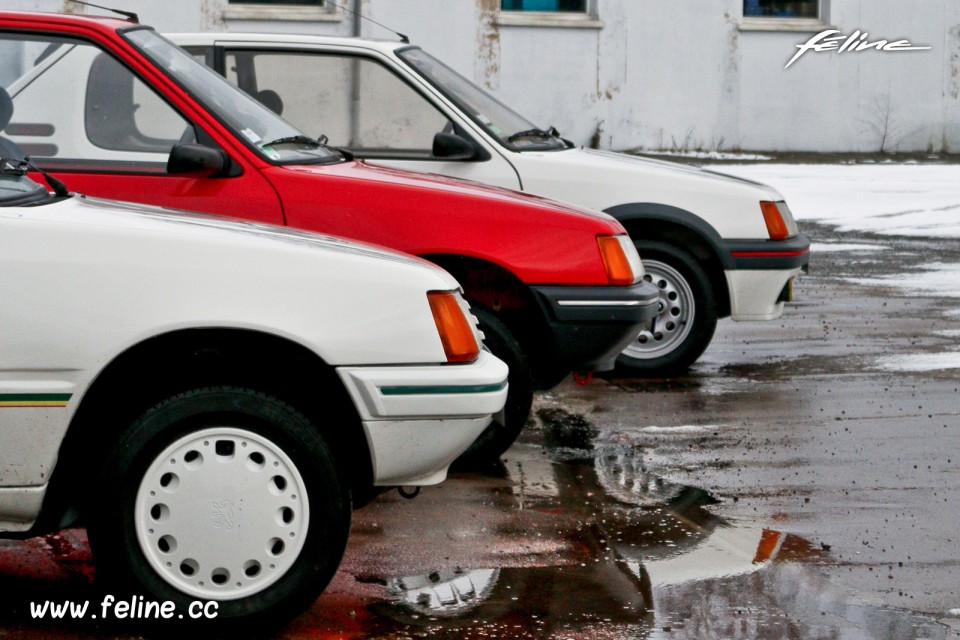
point(800, 482)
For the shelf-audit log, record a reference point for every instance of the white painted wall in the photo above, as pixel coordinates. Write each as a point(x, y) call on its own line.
point(664, 74)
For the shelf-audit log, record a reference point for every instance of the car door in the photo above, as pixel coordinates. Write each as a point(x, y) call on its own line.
point(81, 113)
point(362, 104)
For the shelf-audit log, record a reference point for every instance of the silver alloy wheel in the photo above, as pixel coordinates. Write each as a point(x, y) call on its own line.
point(670, 328)
point(221, 514)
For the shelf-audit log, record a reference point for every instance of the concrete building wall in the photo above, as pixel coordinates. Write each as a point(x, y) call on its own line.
point(669, 74)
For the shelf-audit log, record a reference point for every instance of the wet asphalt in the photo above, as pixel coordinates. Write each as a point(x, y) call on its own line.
point(797, 483)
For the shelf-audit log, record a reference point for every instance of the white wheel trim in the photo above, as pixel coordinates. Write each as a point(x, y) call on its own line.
point(674, 323)
point(221, 527)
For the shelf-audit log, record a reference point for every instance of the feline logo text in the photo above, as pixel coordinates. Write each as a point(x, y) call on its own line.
point(856, 41)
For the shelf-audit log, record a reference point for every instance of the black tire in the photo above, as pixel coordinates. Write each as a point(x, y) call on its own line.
point(252, 429)
point(683, 330)
point(503, 431)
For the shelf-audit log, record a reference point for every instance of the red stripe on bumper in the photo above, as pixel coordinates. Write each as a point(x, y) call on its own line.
point(769, 254)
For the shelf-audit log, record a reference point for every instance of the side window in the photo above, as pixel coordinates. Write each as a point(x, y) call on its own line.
point(76, 107)
point(356, 102)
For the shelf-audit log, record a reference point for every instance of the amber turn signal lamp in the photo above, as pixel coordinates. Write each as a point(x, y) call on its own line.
point(616, 253)
point(776, 227)
point(456, 333)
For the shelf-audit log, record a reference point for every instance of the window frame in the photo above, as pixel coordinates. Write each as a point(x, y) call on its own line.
point(782, 23)
point(586, 19)
point(280, 11)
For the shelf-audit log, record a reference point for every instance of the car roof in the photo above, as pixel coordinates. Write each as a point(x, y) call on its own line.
point(36, 19)
point(209, 38)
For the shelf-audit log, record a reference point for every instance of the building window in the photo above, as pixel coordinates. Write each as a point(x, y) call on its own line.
point(784, 15)
point(317, 3)
point(549, 13)
point(297, 10)
point(782, 8)
point(544, 5)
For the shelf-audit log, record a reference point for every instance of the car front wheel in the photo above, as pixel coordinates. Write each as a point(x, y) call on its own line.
point(221, 494)
point(507, 425)
point(680, 333)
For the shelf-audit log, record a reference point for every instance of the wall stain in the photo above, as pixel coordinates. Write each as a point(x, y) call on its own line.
point(954, 45)
point(211, 15)
point(73, 8)
point(488, 44)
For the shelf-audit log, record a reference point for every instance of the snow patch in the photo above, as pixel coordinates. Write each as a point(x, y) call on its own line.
point(939, 281)
point(690, 428)
point(707, 155)
point(896, 199)
point(919, 362)
point(837, 247)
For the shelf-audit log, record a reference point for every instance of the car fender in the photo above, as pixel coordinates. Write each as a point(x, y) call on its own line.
point(646, 211)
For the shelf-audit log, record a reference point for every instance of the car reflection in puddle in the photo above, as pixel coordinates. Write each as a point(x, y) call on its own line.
point(652, 560)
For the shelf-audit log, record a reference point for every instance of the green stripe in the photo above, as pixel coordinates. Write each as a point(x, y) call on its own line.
point(35, 397)
point(443, 390)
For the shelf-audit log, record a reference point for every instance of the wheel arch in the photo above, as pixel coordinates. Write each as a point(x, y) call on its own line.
point(497, 289)
point(654, 221)
point(163, 365)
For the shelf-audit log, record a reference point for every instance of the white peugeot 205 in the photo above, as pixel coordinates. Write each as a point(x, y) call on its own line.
point(209, 396)
point(715, 245)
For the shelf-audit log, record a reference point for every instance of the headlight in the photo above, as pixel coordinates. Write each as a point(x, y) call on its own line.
point(620, 259)
point(457, 333)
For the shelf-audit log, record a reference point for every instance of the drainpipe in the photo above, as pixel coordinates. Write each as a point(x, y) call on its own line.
point(355, 78)
point(357, 9)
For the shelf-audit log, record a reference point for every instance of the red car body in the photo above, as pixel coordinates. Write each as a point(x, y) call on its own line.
point(533, 263)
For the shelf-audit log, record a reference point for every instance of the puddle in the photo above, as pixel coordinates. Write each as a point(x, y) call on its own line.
point(784, 600)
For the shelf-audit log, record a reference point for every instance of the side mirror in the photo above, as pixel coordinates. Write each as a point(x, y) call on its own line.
point(450, 146)
point(196, 161)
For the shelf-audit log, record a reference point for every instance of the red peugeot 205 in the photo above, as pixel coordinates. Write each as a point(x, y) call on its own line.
point(131, 116)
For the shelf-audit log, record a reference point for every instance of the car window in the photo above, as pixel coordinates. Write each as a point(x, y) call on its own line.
point(262, 129)
point(511, 128)
point(356, 102)
point(77, 107)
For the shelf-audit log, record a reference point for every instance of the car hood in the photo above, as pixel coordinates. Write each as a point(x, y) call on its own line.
point(454, 187)
point(602, 180)
point(599, 162)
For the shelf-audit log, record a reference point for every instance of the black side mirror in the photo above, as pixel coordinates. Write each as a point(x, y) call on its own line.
point(197, 161)
point(450, 146)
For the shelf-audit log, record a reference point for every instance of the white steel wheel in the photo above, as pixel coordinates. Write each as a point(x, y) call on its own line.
point(220, 494)
point(671, 327)
point(221, 514)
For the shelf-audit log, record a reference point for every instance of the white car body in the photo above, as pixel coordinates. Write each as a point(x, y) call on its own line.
point(716, 218)
point(84, 281)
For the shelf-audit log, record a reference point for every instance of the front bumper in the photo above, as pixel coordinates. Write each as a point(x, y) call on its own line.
point(590, 326)
point(780, 255)
point(762, 274)
point(419, 419)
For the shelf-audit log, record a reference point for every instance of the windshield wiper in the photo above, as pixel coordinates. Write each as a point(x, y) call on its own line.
point(19, 167)
point(535, 133)
point(299, 138)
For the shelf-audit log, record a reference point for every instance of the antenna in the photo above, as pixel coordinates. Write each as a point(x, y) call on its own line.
point(129, 15)
point(403, 38)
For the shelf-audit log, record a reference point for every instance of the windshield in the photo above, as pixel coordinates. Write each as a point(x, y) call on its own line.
point(273, 137)
point(498, 119)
